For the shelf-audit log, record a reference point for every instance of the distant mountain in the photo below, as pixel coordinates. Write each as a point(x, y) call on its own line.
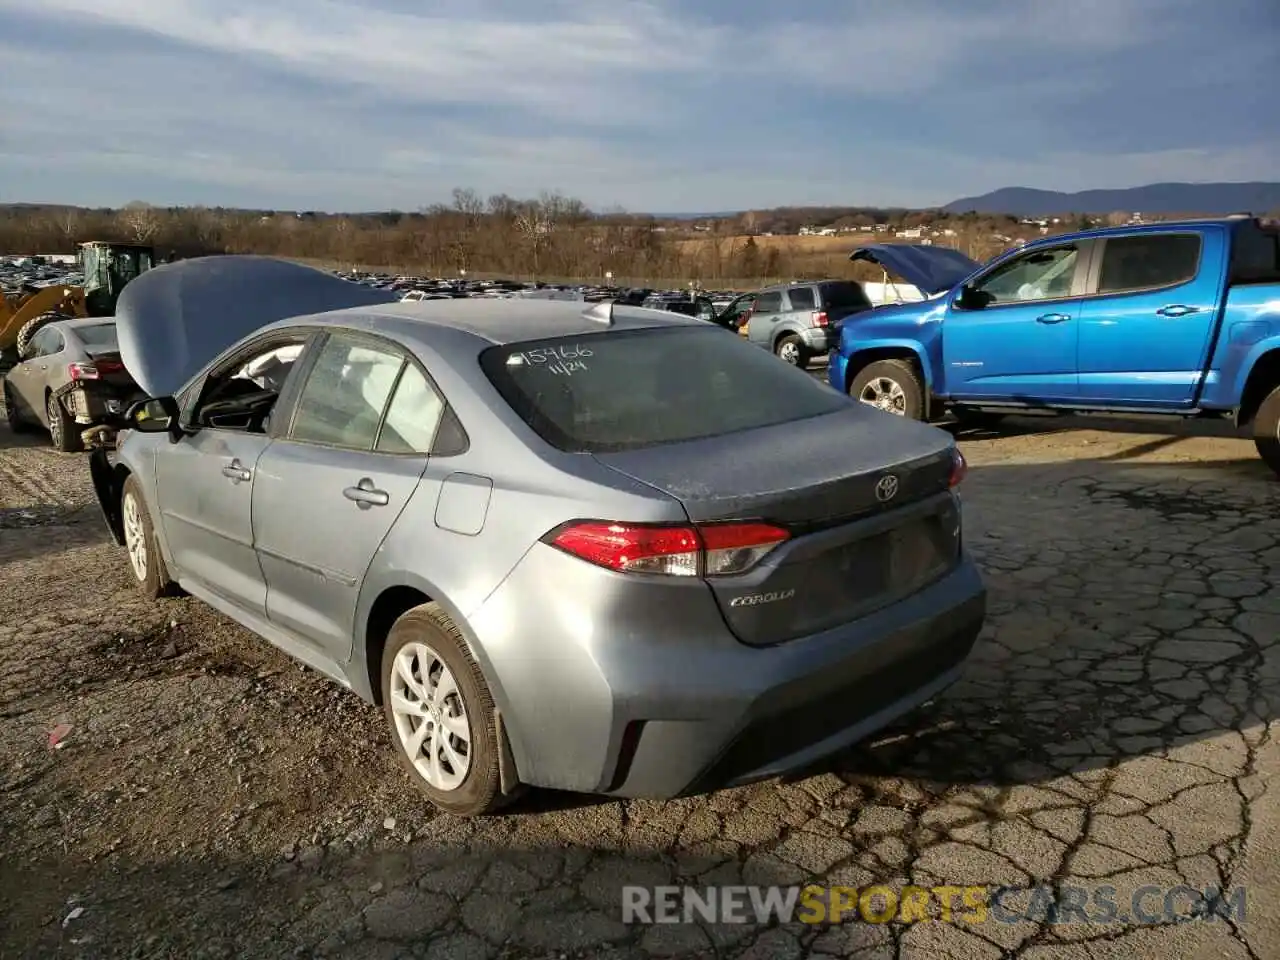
point(1156, 198)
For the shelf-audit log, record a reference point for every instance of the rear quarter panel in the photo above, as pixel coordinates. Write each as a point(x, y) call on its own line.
point(1250, 330)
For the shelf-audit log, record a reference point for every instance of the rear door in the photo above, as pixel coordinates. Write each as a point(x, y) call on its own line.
point(329, 490)
point(1015, 335)
point(27, 379)
point(1146, 331)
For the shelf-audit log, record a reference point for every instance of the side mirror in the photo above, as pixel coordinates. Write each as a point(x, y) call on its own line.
point(155, 415)
point(970, 299)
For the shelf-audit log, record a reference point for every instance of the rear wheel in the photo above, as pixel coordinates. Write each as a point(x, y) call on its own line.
point(62, 427)
point(790, 349)
point(1266, 430)
point(892, 386)
point(441, 713)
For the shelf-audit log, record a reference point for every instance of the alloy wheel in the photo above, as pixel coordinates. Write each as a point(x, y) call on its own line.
point(135, 536)
point(430, 717)
point(885, 394)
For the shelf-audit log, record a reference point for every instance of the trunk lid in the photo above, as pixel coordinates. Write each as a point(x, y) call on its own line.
point(111, 369)
point(174, 319)
point(858, 540)
point(932, 270)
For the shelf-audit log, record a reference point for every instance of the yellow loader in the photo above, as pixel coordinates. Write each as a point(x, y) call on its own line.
point(107, 268)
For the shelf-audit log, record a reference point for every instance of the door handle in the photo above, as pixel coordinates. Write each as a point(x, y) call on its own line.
point(235, 471)
point(1177, 310)
point(365, 495)
point(1053, 317)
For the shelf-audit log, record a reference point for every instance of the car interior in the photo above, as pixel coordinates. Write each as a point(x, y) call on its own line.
point(242, 397)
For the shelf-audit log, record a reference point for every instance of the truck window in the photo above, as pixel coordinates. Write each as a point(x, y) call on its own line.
point(1149, 260)
point(1043, 274)
point(802, 298)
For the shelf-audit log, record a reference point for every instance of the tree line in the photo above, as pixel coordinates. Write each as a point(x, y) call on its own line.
point(548, 237)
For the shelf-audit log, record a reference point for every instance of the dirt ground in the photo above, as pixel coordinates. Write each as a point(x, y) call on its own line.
point(211, 798)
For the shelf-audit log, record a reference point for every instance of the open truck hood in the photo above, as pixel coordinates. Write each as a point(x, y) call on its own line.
point(175, 318)
point(931, 270)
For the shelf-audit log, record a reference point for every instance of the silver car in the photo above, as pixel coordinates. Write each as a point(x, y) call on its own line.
point(69, 379)
point(588, 547)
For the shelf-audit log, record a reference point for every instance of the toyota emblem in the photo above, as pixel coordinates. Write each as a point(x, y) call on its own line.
point(887, 488)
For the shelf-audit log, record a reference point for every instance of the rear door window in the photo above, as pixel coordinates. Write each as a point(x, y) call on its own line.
point(1148, 261)
point(844, 296)
point(768, 302)
point(346, 391)
point(627, 390)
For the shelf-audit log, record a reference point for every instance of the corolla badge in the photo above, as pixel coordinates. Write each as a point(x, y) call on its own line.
point(756, 599)
point(887, 488)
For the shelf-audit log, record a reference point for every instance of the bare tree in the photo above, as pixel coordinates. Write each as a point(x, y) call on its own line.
point(140, 220)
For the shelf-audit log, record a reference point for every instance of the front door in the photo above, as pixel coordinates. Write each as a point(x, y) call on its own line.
point(1012, 334)
point(1145, 335)
point(204, 487)
point(330, 490)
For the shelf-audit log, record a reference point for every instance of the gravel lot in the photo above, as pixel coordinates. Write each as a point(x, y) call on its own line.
point(213, 799)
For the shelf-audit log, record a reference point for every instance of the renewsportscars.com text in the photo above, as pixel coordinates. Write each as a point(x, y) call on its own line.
point(1100, 904)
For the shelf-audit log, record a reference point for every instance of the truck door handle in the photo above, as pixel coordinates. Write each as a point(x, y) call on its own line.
point(365, 495)
point(1053, 317)
point(1177, 310)
point(235, 471)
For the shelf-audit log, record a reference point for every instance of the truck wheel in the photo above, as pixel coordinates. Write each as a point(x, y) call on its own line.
point(892, 386)
point(791, 350)
point(35, 324)
point(63, 430)
point(1266, 430)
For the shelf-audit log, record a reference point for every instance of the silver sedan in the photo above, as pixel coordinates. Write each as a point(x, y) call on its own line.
point(593, 548)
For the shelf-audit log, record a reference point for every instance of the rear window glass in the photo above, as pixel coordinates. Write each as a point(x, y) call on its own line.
point(631, 389)
point(98, 336)
point(839, 296)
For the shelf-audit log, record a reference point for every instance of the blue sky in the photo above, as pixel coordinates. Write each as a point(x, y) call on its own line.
point(660, 106)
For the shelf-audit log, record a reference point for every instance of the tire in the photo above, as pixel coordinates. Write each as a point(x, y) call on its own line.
point(892, 386)
point(1266, 430)
point(63, 429)
point(11, 414)
point(33, 326)
point(145, 561)
point(422, 641)
point(790, 349)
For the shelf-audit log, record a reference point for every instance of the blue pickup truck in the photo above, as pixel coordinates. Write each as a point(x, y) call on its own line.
point(1176, 318)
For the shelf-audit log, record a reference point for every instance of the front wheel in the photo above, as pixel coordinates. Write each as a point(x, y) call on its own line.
point(145, 560)
point(1266, 430)
point(441, 713)
point(892, 386)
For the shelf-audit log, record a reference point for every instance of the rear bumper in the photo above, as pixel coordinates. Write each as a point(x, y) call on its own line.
point(692, 709)
point(93, 402)
point(816, 339)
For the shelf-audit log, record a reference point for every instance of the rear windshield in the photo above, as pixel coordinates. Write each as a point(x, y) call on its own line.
point(98, 336)
point(626, 390)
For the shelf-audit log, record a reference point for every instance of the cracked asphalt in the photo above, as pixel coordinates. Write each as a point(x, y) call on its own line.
point(213, 799)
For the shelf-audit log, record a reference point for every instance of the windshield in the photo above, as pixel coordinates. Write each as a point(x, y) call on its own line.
point(631, 389)
point(98, 336)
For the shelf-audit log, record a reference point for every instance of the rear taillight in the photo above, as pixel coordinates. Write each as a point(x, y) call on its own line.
point(711, 550)
point(83, 371)
point(959, 468)
point(820, 318)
